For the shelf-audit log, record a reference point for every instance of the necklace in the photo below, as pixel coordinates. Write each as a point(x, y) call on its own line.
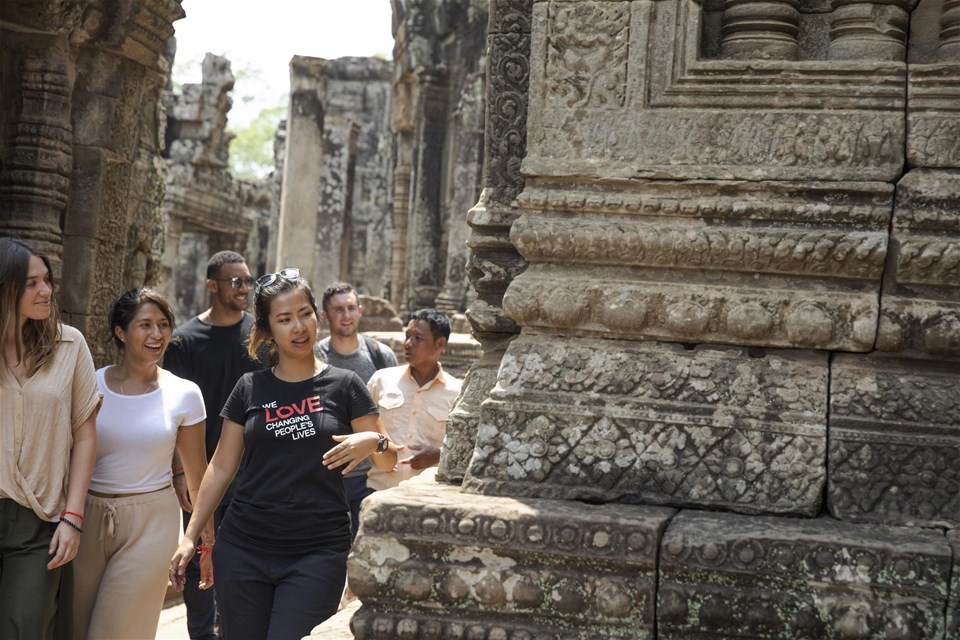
point(147, 387)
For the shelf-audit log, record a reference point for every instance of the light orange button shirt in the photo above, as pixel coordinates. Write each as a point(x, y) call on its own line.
point(37, 422)
point(414, 416)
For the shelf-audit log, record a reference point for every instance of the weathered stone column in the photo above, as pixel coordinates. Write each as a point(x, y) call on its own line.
point(37, 153)
point(493, 261)
point(402, 173)
point(333, 216)
point(766, 30)
point(424, 233)
point(949, 48)
point(171, 249)
point(80, 174)
point(303, 166)
point(869, 30)
point(463, 182)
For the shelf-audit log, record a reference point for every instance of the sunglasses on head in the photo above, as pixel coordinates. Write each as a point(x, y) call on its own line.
point(290, 273)
point(236, 282)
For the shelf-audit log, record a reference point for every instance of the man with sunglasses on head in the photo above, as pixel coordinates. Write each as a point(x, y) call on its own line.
point(210, 350)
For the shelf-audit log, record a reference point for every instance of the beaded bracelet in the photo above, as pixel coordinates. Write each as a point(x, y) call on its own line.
point(71, 525)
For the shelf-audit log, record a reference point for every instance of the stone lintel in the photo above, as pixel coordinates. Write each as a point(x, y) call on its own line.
point(731, 576)
point(894, 433)
point(430, 561)
point(655, 423)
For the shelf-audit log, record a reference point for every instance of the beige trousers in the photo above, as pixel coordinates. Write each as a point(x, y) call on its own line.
point(120, 572)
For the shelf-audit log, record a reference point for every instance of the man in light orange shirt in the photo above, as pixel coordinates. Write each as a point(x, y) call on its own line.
point(415, 399)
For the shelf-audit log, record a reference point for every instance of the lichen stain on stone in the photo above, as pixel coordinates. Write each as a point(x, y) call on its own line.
point(489, 559)
point(382, 554)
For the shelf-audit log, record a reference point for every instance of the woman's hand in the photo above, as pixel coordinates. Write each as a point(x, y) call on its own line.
point(178, 564)
point(351, 450)
point(183, 496)
point(63, 546)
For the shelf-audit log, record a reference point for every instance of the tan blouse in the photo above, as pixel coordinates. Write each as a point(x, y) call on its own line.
point(37, 422)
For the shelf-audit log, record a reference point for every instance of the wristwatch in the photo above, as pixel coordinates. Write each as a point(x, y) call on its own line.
point(382, 444)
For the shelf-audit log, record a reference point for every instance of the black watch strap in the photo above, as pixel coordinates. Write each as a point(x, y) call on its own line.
point(382, 444)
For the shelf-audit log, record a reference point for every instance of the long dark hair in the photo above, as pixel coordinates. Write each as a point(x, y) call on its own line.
point(263, 297)
point(38, 340)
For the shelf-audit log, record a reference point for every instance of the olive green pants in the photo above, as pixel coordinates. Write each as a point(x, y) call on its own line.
point(30, 592)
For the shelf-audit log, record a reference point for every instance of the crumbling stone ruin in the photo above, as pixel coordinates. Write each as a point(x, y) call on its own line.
point(335, 173)
point(729, 411)
point(81, 131)
point(368, 130)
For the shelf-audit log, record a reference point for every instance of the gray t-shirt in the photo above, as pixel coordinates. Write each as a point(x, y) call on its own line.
point(361, 363)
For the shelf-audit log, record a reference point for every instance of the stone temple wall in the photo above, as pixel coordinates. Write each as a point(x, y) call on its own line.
point(437, 118)
point(81, 130)
point(730, 410)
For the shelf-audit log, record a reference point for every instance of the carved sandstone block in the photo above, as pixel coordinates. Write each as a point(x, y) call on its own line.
point(655, 424)
point(431, 562)
point(619, 89)
point(933, 115)
point(729, 263)
point(894, 435)
point(731, 576)
point(920, 308)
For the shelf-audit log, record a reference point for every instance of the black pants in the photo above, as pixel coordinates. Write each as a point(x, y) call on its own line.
point(356, 490)
point(201, 604)
point(276, 596)
point(34, 601)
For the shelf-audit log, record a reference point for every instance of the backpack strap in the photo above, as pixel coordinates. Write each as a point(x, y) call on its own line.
point(375, 354)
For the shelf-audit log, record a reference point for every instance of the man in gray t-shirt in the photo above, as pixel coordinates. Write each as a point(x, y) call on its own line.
point(347, 349)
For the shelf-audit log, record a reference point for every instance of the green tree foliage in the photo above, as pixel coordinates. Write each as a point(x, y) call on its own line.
point(251, 151)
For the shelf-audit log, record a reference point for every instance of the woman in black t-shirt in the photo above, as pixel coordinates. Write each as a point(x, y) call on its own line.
point(296, 429)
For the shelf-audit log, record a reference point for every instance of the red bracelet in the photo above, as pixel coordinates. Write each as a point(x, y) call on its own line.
point(71, 513)
point(176, 470)
point(204, 551)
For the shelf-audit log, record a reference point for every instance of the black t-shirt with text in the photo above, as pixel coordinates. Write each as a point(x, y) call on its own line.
point(286, 501)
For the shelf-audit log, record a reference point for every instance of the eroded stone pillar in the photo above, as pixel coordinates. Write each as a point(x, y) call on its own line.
point(869, 30)
point(766, 30)
point(493, 261)
point(401, 215)
point(425, 254)
point(303, 166)
point(38, 141)
point(333, 214)
point(464, 179)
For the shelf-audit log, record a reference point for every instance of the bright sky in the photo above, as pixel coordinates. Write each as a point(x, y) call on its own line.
point(259, 38)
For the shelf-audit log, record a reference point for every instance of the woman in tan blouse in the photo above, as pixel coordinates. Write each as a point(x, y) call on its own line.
point(48, 403)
